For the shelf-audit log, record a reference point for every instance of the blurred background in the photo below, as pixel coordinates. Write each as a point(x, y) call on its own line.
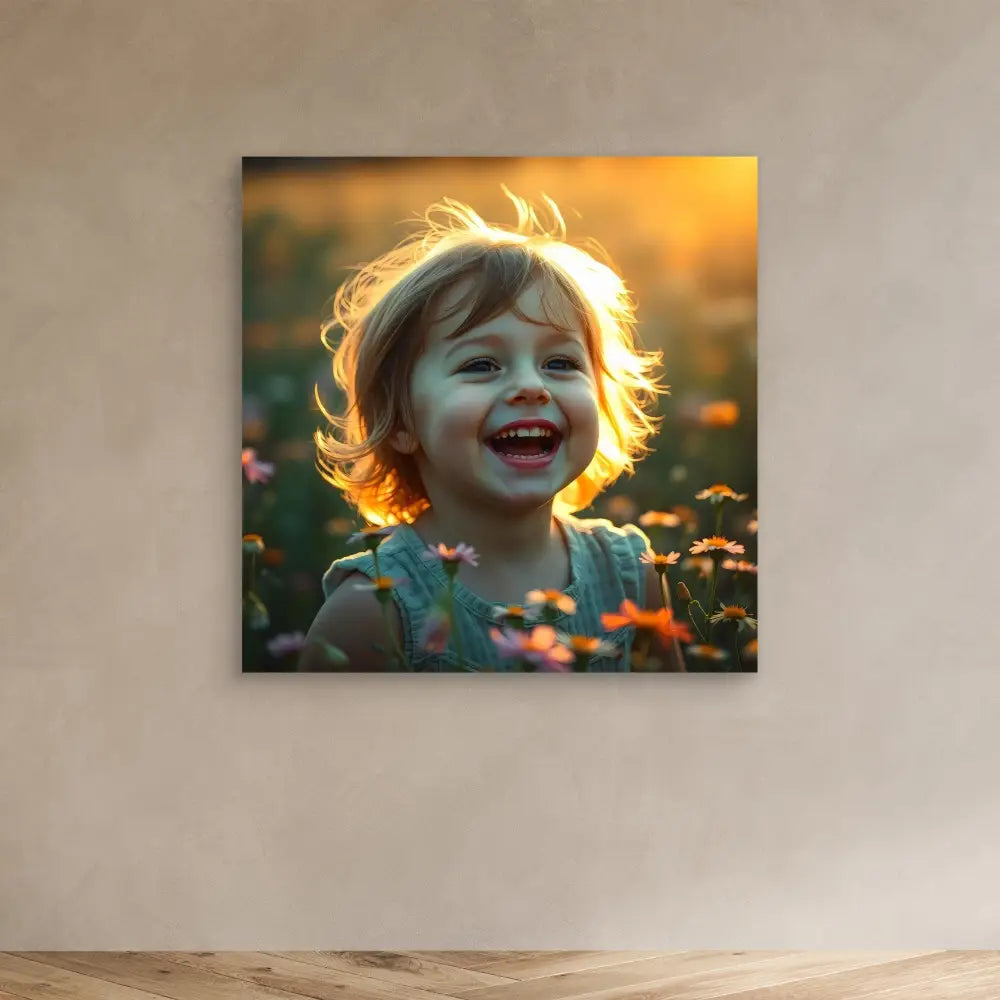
point(681, 231)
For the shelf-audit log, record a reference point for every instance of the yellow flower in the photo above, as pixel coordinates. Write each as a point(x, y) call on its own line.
point(553, 599)
point(659, 519)
point(720, 413)
point(735, 614)
point(716, 543)
point(720, 492)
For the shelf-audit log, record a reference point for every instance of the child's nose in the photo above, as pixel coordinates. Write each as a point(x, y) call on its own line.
point(526, 383)
point(529, 391)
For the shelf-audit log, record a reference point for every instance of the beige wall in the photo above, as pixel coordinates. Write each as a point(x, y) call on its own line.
point(152, 797)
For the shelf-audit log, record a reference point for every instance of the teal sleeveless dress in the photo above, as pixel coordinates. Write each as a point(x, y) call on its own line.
point(605, 570)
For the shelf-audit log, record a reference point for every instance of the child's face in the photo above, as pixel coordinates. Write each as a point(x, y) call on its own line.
point(465, 390)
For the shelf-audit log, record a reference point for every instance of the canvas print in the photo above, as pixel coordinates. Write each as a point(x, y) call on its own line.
point(499, 415)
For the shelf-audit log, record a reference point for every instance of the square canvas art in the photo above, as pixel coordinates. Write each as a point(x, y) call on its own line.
point(499, 414)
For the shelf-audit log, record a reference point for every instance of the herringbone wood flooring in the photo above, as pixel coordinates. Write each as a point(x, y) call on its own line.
point(501, 975)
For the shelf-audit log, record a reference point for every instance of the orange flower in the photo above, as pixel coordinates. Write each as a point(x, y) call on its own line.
point(752, 524)
point(687, 515)
point(703, 564)
point(587, 644)
point(381, 584)
point(552, 598)
point(716, 543)
point(661, 562)
point(739, 566)
point(750, 649)
point(339, 526)
point(273, 557)
point(620, 507)
point(661, 622)
point(511, 613)
point(253, 543)
point(659, 519)
point(735, 614)
point(720, 413)
point(706, 651)
point(720, 492)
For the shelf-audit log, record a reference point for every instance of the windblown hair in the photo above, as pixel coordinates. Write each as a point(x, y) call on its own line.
point(386, 309)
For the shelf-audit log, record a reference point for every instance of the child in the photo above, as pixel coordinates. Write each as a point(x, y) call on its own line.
point(493, 388)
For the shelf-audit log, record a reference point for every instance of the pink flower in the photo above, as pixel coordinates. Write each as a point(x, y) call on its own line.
point(287, 642)
point(372, 536)
point(255, 470)
point(461, 553)
point(539, 648)
point(436, 631)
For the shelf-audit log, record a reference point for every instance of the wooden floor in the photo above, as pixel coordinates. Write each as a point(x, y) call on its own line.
point(501, 975)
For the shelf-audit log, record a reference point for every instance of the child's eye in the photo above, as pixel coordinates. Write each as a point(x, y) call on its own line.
point(572, 362)
point(470, 365)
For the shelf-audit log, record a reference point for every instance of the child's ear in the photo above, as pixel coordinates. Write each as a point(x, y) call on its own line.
point(404, 442)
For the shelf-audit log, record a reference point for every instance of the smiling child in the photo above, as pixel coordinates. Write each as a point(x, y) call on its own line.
point(493, 388)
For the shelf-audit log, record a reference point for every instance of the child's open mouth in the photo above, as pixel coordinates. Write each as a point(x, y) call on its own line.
point(531, 450)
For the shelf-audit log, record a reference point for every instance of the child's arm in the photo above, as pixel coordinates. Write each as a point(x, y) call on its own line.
point(670, 654)
point(352, 620)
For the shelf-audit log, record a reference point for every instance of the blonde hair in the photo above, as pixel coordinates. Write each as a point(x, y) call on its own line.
point(386, 309)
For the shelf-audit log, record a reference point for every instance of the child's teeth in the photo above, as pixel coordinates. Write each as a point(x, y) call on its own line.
point(527, 432)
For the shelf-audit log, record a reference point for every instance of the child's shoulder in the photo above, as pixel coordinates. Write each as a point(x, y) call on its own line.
point(627, 537)
point(353, 621)
point(613, 558)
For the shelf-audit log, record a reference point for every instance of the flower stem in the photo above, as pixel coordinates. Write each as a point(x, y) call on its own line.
point(718, 519)
point(400, 658)
point(455, 631)
point(389, 631)
point(711, 598)
point(736, 646)
point(697, 627)
point(643, 641)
